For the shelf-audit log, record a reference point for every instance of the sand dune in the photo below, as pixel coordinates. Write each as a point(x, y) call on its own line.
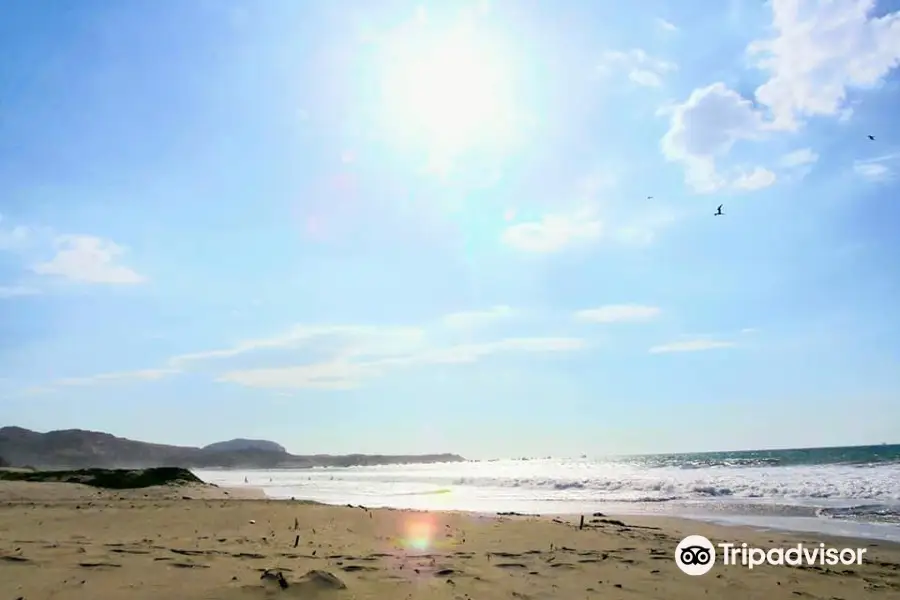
point(62, 542)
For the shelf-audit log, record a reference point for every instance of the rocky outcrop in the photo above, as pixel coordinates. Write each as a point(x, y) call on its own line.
point(242, 444)
point(117, 479)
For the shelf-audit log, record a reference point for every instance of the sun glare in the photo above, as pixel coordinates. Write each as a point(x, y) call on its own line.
point(449, 92)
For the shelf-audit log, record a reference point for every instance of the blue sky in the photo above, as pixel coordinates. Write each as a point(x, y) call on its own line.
point(401, 227)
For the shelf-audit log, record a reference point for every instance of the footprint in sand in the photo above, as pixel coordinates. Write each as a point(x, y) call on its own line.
point(355, 568)
point(17, 559)
point(275, 583)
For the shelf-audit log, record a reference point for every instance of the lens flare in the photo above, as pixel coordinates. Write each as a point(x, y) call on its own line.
point(420, 533)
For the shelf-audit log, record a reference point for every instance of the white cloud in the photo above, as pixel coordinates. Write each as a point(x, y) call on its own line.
point(477, 318)
point(699, 345)
point(799, 158)
point(757, 179)
point(876, 169)
point(666, 25)
point(618, 313)
point(345, 375)
point(819, 52)
point(645, 78)
point(872, 171)
point(12, 291)
point(704, 128)
point(88, 259)
point(554, 232)
point(642, 69)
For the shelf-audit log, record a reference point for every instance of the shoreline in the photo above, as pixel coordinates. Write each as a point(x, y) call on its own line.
point(792, 519)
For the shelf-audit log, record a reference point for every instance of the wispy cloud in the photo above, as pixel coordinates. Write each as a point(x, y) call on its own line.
point(13, 237)
point(666, 25)
point(88, 259)
point(798, 164)
point(799, 158)
point(619, 313)
point(346, 356)
point(699, 345)
point(12, 291)
point(143, 374)
point(878, 169)
point(361, 338)
point(102, 378)
point(555, 232)
point(641, 68)
point(757, 179)
point(345, 375)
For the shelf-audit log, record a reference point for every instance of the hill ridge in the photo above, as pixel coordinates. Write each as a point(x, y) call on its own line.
point(81, 448)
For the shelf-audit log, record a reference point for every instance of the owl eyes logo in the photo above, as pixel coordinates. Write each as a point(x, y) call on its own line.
point(695, 555)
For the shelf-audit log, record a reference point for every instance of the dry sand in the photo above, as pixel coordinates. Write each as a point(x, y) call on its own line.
point(194, 542)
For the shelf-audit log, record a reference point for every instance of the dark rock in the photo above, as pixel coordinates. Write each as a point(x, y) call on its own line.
point(239, 444)
point(119, 479)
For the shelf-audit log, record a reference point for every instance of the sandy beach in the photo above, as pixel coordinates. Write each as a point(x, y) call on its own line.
point(72, 541)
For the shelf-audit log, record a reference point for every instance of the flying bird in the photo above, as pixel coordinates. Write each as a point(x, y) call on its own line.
point(649, 197)
point(718, 211)
point(872, 137)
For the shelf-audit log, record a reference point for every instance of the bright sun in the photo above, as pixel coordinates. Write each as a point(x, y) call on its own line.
point(449, 92)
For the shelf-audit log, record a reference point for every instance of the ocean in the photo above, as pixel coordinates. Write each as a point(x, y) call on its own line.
point(852, 491)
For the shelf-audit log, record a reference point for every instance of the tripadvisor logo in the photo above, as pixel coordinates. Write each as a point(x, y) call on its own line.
point(696, 555)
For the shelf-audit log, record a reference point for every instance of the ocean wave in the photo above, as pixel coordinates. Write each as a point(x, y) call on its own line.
point(688, 462)
point(710, 486)
point(586, 481)
point(871, 513)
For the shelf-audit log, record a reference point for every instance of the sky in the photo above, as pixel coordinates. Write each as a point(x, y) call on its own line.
point(476, 227)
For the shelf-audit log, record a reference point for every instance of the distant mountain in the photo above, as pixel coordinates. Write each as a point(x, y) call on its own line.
point(3, 462)
point(244, 444)
point(77, 448)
